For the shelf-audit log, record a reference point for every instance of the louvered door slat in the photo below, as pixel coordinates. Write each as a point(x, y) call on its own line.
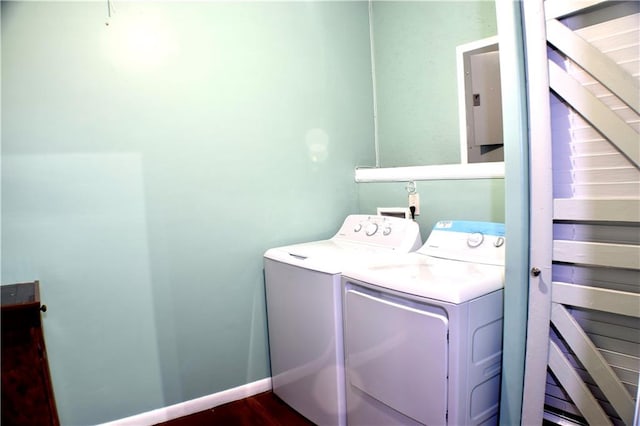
point(623, 303)
point(558, 9)
point(608, 123)
point(594, 362)
point(600, 66)
point(576, 388)
point(599, 254)
point(597, 210)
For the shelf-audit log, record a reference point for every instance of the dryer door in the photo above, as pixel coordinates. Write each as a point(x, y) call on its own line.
point(397, 354)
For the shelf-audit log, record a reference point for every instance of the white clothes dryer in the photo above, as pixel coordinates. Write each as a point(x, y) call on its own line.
point(423, 331)
point(304, 310)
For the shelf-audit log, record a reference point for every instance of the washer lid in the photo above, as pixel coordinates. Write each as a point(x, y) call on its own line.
point(328, 256)
point(434, 278)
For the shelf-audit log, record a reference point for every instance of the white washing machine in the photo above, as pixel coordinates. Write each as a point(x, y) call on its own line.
point(423, 331)
point(304, 310)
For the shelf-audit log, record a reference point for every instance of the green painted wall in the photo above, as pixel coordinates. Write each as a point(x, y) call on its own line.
point(415, 64)
point(147, 165)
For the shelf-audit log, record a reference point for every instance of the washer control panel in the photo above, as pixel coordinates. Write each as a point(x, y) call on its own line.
point(385, 231)
point(370, 227)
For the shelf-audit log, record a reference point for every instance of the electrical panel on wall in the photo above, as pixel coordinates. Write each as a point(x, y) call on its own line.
point(480, 98)
point(486, 98)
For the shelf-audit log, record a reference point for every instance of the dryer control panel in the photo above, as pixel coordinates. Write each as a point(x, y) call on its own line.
point(479, 242)
point(385, 231)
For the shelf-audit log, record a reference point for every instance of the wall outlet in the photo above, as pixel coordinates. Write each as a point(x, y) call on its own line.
point(414, 200)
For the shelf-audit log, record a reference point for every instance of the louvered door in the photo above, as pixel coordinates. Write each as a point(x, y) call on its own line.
point(584, 326)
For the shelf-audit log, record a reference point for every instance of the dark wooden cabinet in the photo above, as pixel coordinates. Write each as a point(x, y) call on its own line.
point(27, 394)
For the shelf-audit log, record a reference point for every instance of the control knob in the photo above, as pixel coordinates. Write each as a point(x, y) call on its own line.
point(475, 239)
point(371, 229)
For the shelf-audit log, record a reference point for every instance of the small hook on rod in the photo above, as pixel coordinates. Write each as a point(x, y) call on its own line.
point(411, 187)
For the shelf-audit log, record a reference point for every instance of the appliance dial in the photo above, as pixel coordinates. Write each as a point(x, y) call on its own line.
point(475, 239)
point(386, 230)
point(371, 229)
point(357, 228)
point(498, 242)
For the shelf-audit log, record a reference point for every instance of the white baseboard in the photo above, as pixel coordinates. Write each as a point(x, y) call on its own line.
point(195, 405)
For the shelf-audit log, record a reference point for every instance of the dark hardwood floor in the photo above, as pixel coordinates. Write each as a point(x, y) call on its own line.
point(264, 409)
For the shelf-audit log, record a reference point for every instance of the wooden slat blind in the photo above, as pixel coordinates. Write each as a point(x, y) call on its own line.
point(589, 356)
point(558, 9)
point(594, 346)
point(618, 302)
point(614, 128)
point(603, 69)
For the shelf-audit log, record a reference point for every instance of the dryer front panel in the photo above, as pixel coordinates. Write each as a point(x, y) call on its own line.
point(397, 354)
